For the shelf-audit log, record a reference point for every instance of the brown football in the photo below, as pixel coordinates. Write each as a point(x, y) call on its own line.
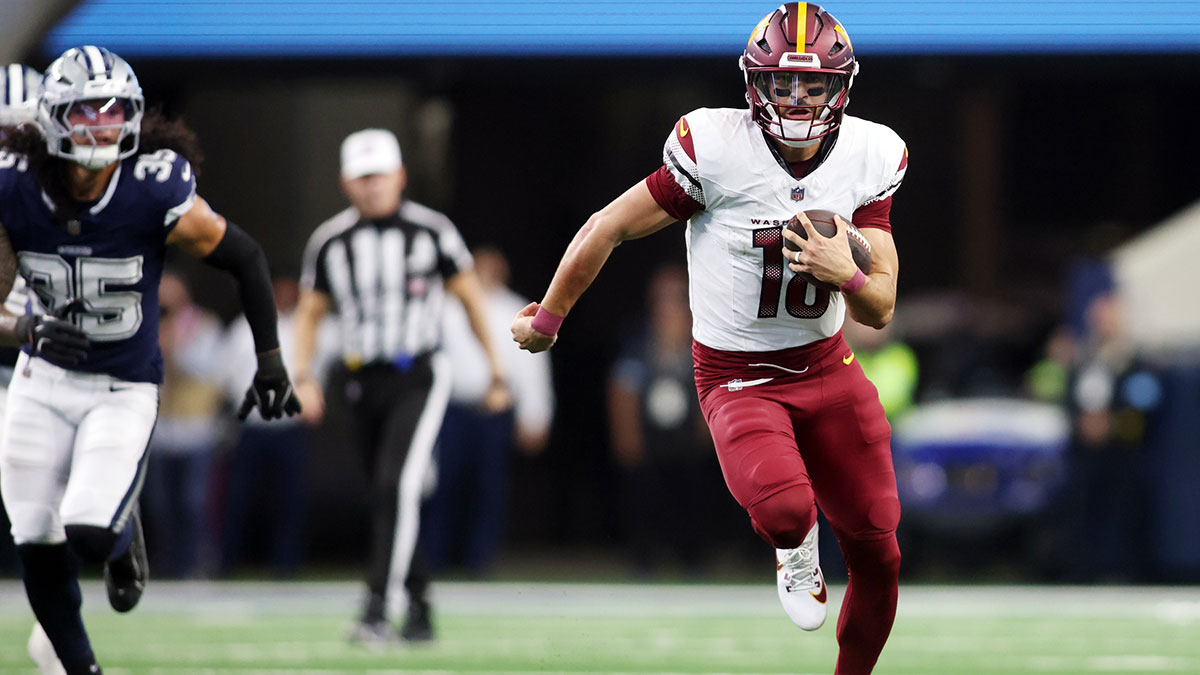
point(860, 248)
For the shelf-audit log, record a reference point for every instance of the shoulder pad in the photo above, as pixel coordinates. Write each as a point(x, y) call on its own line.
point(169, 179)
point(12, 165)
point(162, 166)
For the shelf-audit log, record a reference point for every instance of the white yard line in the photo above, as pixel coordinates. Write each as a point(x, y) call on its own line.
point(1179, 605)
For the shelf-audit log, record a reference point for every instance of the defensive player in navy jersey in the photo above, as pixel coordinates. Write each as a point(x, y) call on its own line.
point(87, 211)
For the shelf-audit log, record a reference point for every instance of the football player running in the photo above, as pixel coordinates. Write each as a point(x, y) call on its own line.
point(87, 212)
point(795, 422)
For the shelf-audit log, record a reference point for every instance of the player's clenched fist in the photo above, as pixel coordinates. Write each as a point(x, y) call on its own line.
point(524, 333)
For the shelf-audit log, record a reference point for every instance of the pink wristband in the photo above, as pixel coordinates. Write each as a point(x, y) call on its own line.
point(546, 322)
point(855, 284)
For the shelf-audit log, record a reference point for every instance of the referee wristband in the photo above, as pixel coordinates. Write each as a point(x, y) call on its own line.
point(855, 284)
point(546, 322)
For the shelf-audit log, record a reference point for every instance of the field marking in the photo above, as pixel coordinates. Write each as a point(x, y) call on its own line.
point(390, 671)
point(230, 600)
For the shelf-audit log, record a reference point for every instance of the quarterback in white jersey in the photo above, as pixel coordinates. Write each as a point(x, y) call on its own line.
point(794, 421)
point(742, 196)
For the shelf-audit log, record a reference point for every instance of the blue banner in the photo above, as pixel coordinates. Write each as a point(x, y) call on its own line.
point(392, 28)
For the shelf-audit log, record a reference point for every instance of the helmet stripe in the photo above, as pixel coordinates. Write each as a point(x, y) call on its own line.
point(14, 93)
point(801, 25)
point(759, 30)
point(95, 62)
point(842, 31)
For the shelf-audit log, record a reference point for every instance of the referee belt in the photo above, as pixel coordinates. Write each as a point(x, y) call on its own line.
point(402, 362)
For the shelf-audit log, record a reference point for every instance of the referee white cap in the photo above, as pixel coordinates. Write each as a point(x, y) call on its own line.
point(370, 151)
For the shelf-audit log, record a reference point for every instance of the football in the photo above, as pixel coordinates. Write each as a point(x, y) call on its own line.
point(822, 221)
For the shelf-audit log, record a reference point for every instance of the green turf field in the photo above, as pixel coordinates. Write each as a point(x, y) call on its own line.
point(535, 628)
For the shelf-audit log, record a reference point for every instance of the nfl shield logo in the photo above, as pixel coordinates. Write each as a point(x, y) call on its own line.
point(797, 194)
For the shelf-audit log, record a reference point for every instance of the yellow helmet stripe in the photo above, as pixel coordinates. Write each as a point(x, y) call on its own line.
point(758, 31)
point(801, 25)
point(842, 31)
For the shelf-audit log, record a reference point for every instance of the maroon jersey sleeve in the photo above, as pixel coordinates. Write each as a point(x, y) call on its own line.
point(676, 185)
point(670, 196)
point(876, 212)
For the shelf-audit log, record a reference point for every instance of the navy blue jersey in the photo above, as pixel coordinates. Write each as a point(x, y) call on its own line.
point(106, 264)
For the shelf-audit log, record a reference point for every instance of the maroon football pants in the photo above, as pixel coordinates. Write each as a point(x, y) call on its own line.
point(800, 428)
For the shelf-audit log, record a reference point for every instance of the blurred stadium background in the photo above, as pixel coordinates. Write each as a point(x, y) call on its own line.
point(1053, 151)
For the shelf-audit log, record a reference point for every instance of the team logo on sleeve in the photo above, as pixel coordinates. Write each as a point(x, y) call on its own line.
point(797, 194)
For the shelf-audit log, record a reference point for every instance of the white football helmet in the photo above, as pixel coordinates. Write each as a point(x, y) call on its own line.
point(94, 79)
point(19, 89)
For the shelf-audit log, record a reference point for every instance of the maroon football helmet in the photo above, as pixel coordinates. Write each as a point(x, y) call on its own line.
point(799, 66)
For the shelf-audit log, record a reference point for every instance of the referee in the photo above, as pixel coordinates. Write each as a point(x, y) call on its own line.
point(383, 267)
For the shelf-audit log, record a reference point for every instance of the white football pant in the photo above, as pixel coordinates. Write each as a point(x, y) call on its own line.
point(74, 449)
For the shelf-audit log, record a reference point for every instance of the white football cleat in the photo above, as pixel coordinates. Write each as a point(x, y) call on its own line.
point(42, 652)
point(801, 584)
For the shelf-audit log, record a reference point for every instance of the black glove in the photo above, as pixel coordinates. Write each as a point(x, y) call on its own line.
point(271, 390)
point(53, 339)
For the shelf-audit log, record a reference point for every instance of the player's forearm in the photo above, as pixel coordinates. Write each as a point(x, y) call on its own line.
point(479, 325)
point(632, 215)
point(241, 256)
point(307, 321)
point(466, 287)
point(580, 265)
point(873, 304)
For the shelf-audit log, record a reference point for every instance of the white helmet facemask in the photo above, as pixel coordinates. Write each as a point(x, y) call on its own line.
point(86, 83)
point(803, 133)
point(796, 105)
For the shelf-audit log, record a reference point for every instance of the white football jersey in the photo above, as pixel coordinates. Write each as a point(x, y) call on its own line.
point(743, 296)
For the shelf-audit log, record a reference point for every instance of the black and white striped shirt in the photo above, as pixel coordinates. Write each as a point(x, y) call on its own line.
point(385, 279)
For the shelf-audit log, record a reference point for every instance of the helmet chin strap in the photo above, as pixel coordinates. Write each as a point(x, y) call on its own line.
point(99, 157)
point(799, 144)
point(795, 133)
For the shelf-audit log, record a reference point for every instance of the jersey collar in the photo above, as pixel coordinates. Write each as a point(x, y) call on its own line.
point(827, 144)
point(108, 192)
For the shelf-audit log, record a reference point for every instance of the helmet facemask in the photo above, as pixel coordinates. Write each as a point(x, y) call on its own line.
point(798, 69)
point(86, 141)
point(83, 90)
point(797, 107)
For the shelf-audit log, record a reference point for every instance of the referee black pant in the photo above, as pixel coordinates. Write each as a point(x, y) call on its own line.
point(396, 414)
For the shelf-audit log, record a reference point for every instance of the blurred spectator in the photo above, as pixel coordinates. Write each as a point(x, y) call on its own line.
point(1090, 276)
point(662, 445)
point(178, 480)
point(889, 364)
point(1112, 398)
point(264, 477)
point(464, 520)
point(1047, 380)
